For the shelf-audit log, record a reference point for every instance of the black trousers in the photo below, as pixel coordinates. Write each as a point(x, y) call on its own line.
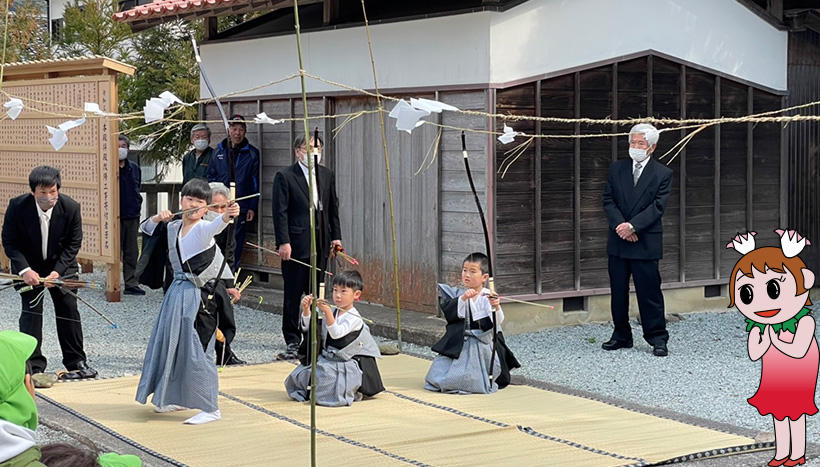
point(296, 278)
point(647, 281)
point(69, 328)
point(128, 242)
point(239, 235)
point(226, 322)
point(214, 314)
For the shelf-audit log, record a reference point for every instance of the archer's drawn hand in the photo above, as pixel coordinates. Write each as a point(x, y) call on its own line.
point(284, 251)
point(495, 301)
point(234, 293)
point(163, 216)
point(469, 294)
point(53, 275)
point(233, 211)
point(31, 278)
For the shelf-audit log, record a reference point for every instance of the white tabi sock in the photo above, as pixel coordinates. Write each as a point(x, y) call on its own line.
point(203, 417)
point(168, 408)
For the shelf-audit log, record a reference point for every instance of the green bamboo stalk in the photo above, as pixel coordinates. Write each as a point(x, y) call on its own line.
point(314, 345)
point(387, 172)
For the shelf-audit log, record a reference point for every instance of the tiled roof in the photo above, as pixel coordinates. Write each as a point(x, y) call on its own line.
point(164, 8)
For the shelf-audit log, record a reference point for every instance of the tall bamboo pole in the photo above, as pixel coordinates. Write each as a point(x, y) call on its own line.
point(314, 347)
point(387, 172)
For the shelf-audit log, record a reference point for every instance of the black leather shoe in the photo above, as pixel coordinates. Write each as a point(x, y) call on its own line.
point(79, 370)
point(234, 360)
point(660, 350)
point(291, 353)
point(133, 291)
point(614, 344)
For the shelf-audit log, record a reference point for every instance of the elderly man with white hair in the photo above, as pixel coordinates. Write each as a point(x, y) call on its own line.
point(634, 201)
point(226, 321)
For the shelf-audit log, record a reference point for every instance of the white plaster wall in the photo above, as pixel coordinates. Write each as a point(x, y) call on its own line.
point(57, 8)
point(448, 50)
point(543, 36)
point(491, 48)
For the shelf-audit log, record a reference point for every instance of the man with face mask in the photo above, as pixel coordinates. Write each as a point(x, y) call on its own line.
point(634, 200)
point(195, 163)
point(291, 223)
point(42, 234)
point(130, 209)
point(245, 159)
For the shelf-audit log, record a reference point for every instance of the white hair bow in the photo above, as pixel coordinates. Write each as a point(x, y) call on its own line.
point(743, 243)
point(791, 242)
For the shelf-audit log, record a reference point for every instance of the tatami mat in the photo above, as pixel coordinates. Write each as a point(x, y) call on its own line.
point(520, 425)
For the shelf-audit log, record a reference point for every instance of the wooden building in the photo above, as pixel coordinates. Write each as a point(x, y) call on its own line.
point(587, 58)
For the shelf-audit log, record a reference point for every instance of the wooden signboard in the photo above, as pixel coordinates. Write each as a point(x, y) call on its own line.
point(55, 91)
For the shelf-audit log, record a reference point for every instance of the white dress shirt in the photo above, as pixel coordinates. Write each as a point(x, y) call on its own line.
point(45, 221)
point(315, 185)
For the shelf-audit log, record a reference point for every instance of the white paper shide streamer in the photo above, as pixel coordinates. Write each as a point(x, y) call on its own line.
point(263, 118)
point(509, 135)
point(155, 107)
point(13, 107)
point(409, 115)
point(94, 108)
point(58, 135)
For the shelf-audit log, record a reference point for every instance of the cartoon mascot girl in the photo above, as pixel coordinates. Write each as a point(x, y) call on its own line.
point(770, 286)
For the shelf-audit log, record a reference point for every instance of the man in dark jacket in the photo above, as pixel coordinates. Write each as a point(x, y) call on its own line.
point(245, 159)
point(195, 163)
point(42, 234)
point(291, 223)
point(130, 209)
point(634, 200)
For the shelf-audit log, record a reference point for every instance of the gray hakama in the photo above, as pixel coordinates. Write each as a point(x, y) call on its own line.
point(176, 369)
point(469, 373)
point(338, 374)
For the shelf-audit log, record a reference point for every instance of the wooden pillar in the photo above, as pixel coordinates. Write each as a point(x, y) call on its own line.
point(577, 186)
point(330, 12)
point(716, 240)
point(211, 27)
point(537, 203)
point(682, 184)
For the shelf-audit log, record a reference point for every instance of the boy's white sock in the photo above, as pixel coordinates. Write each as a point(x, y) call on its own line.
point(203, 417)
point(168, 408)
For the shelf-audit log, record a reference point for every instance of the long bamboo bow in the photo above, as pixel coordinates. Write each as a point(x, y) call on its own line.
point(229, 151)
point(491, 281)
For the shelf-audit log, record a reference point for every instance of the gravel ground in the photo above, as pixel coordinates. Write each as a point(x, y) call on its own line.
point(707, 373)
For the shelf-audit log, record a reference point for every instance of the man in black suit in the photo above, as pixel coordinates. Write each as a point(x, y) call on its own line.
point(291, 222)
point(634, 200)
point(42, 234)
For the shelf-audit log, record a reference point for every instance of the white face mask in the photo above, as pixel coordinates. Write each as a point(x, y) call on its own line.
point(200, 144)
point(45, 202)
point(123, 153)
point(303, 159)
point(638, 155)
